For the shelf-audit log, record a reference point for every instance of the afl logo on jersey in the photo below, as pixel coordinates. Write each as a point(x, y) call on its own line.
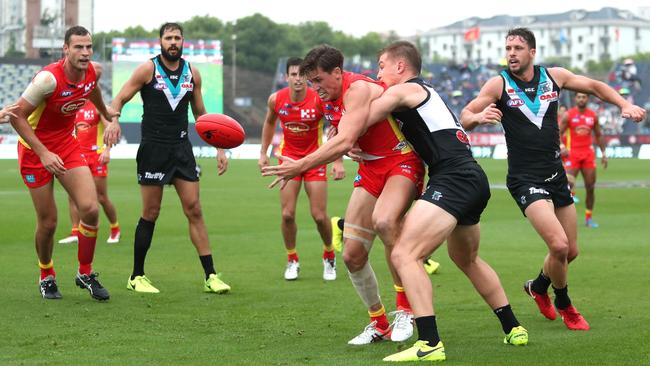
point(462, 137)
point(160, 86)
point(515, 103)
point(72, 106)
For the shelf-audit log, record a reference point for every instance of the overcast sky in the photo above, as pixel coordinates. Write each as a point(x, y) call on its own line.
point(355, 17)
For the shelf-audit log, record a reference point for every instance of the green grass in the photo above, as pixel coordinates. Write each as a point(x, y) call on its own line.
point(268, 321)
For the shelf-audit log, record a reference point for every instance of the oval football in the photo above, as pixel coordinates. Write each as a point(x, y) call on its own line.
point(220, 130)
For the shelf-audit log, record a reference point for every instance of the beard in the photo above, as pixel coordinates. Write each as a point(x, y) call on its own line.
point(171, 58)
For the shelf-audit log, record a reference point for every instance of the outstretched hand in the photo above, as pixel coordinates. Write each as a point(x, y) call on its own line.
point(7, 112)
point(634, 112)
point(284, 172)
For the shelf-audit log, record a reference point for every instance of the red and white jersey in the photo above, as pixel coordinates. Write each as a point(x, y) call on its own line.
point(54, 116)
point(580, 127)
point(382, 139)
point(301, 122)
point(88, 129)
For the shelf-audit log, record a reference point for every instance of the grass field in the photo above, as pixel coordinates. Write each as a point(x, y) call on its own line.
point(268, 321)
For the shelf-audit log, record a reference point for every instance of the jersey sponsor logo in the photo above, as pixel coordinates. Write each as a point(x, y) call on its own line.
point(329, 117)
point(283, 112)
point(462, 137)
point(515, 103)
point(297, 127)
point(357, 179)
point(546, 87)
point(534, 190)
point(160, 86)
point(66, 93)
point(173, 77)
point(551, 177)
point(529, 90)
point(157, 175)
point(188, 86)
point(436, 196)
point(522, 199)
point(73, 106)
point(400, 146)
point(549, 97)
point(308, 114)
point(89, 114)
point(30, 178)
point(183, 134)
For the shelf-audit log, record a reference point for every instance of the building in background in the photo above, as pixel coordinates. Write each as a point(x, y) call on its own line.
point(574, 37)
point(35, 28)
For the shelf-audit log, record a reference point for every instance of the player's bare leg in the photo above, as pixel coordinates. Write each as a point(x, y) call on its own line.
point(317, 194)
point(546, 222)
point(392, 204)
point(288, 200)
point(188, 192)
point(78, 182)
point(74, 223)
point(108, 207)
point(358, 236)
point(589, 177)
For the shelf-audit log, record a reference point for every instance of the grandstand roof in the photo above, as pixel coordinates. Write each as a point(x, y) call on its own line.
point(607, 14)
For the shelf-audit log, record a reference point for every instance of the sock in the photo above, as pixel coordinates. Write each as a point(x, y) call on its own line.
point(380, 317)
point(115, 228)
point(427, 329)
point(86, 247)
point(401, 301)
point(541, 283)
point(47, 269)
point(562, 300)
point(328, 252)
point(340, 223)
point(143, 236)
point(587, 215)
point(507, 318)
point(74, 231)
point(292, 255)
point(208, 265)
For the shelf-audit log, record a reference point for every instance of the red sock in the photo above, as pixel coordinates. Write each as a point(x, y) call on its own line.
point(292, 255)
point(115, 229)
point(329, 254)
point(380, 317)
point(587, 214)
point(74, 231)
point(401, 300)
point(86, 247)
point(47, 269)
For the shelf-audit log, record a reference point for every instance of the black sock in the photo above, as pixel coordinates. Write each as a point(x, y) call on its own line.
point(143, 235)
point(562, 300)
point(428, 330)
point(541, 283)
point(208, 266)
point(507, 318)
point(340, 223)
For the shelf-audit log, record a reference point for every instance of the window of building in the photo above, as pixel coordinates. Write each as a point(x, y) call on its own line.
point(580, 57)
point(591, 49)
point(637, 34)
point(541, 33)
point(591, 29)
point(444, 47)
point(489, 44)
point(579, 39)
point(541, 51)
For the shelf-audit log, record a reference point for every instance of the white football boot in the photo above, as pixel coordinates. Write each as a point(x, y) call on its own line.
point(329, 269)
point(369, 335)
point(402, 327)
point(291, 272)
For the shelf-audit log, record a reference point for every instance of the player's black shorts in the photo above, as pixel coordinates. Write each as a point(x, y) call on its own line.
point(526, 190)
point(463, 192)
point(159, 163)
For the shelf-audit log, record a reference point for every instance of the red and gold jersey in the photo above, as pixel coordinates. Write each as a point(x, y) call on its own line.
point(301, 122)
point(54, 116)
point(382, 139)
point(580, 127)
point(89, 129)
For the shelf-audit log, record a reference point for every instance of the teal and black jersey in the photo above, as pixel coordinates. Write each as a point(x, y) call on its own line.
point(530, 124)
point(165, 99)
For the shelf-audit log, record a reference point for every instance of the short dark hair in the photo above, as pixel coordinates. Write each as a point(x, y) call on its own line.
point(76, 30)
point(406, 50)
point(170, 27)
point(324, 56)
point(293, 61)
point(524, 33)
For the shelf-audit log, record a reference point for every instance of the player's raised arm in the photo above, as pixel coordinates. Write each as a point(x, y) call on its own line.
point(268, 130)
point(483, 108)
point(568, 80)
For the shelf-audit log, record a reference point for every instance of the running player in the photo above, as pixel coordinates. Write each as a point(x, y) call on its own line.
point(47, 149)
point(167, 85)
point(389, 179)
point(524, 98)
point(301, 115)
point(581, 122)
point(449, 209)
point(89, 131)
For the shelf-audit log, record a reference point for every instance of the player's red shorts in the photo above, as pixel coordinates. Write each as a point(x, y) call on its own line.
point(34, 173)
point(373, 174)
point(582, 159)
point(317, 174)
point(96, 168)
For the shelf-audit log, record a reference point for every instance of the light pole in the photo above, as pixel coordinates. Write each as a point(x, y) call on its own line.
point(234, 66)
